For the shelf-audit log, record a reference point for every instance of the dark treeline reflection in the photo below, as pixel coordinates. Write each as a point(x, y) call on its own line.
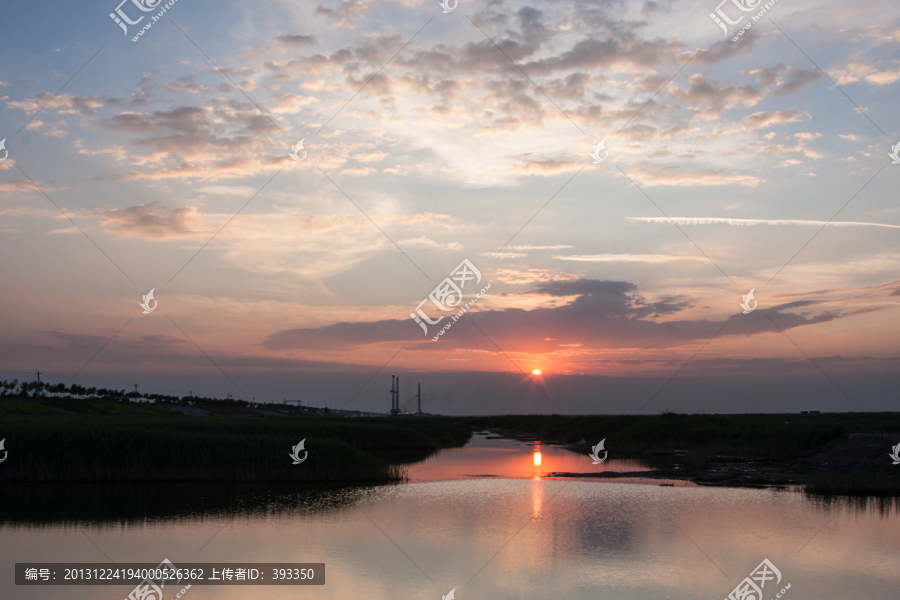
point(883, 506)
point(52, 504)
point(403, 456)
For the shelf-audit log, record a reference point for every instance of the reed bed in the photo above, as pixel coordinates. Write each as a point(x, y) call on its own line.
point(869, 482)
point(104, 504)
point(176, 448)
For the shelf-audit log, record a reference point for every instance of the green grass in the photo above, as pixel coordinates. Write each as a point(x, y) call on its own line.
point(89, 406)
point(20, 406)
point(112, 441)
point(180, 448)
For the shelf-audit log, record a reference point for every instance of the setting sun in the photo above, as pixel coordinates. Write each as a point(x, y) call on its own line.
point(536, 372)
point(537, 459)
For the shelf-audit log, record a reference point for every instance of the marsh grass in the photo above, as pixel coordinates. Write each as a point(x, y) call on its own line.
point(868, 482)
point(103, 504)
point(178, 448)
point(740, 436)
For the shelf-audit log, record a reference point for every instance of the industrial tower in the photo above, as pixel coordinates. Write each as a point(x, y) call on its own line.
point(395, 396)
point(419, 396)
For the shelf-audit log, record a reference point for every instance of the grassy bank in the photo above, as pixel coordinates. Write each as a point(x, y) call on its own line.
point(153, 447)
point(812, 449)
point(742, 436)
point(107, 504)
point(860, 482)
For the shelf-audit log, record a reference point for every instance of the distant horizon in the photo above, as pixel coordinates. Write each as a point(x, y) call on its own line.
point(567, 395)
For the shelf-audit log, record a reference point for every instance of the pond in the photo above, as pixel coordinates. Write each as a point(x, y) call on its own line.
point(484, 520)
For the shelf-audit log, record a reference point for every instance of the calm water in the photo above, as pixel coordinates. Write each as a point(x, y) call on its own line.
point(515, 535)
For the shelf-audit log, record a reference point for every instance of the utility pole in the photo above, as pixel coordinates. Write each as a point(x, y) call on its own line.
point(135, 389)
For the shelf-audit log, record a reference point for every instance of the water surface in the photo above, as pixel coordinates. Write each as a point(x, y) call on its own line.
point(516, 535)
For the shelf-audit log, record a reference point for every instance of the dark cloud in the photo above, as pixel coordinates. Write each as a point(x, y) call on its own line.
point(296, 40)
point(601, 314)
point(78, 341)
point(702, 91)
point(150, 221)
point(785, 80)
point(183, 119)
point(347, 10)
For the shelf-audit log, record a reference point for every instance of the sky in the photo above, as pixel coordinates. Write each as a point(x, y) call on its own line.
point(620, 174)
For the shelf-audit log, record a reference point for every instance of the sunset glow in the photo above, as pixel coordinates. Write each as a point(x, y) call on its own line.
point(537, 459)
point(338, 212)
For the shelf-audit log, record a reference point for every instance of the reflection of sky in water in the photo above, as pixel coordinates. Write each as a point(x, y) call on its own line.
point(509, 458)
point(579, 539)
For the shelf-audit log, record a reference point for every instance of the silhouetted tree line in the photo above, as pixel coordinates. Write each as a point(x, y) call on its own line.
point(33, 389)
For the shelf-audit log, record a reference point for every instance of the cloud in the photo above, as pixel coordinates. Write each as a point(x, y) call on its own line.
point(62, 104)
point(545, 167)
point(71, 229)
point(428, 244)
point(643, 258)
point(502, 255)
point(343, 14)
point(529, 247)
point(763, 119)
point(289, 104)
point(673, 175)
point(782, 80)
point(151, 221)
point(358, 171)
point(702, 91)
point(859, 70)
point(223, 139)
point(592, 313)
point(514, 276)
point(296, 40)
point(22, 185)
point(750, 222)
